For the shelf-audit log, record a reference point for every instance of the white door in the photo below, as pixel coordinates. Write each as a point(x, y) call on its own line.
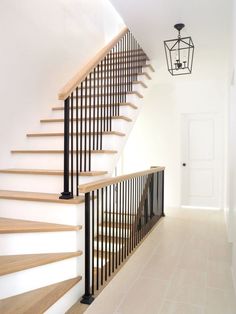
point(201, 156)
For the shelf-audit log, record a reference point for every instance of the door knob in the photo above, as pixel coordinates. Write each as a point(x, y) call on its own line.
point(184, 164)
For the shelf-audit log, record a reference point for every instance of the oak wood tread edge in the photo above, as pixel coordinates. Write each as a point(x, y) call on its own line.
point(39, 300)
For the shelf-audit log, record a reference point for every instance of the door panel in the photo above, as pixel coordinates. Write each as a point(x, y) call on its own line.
point(201, 157)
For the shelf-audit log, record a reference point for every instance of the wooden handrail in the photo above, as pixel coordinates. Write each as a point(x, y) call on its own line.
point(88, 67)
point(88, 187)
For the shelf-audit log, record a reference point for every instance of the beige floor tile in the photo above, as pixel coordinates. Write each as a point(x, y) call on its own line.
point(218, 267)
point(180, 308)
point(160, 266)
point(186, 294)
point(192, 259)
point(144, 292)
point(107, 302)
point(189, 277)
point(220, 253)
point(221, 280)
point(220, 302)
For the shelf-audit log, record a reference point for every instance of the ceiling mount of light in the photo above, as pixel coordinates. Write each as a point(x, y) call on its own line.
point(179, 53)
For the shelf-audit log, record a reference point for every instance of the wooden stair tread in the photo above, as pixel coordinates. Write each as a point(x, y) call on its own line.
point(123, 75)
point(118, 84)
point(58, 151)
point(62, 134)
point(110, 68)
point(14, 263)
point(110, 239)
point(108, 94)
point(8, 225)
point(50, 172)
point(99, 118)
point(37, 301)
point(121, 105)
point(38, 197)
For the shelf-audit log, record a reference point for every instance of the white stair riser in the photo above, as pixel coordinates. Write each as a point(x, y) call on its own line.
point(116, 231)
point(55, 161)
point(68, 299)
point(101, 262)
point(40, 242)
point(43, 211)
point(37, 277)
point(57, 142)
point(117, 125)
point(123, 111)
point(120, 218)
point(98, 246)
point(39, 183)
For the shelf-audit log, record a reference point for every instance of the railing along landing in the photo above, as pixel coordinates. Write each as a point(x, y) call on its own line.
point(119, 212)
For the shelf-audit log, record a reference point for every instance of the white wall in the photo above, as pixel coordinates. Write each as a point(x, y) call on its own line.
point(43, 44)
point(231, 210)
point(156, 137)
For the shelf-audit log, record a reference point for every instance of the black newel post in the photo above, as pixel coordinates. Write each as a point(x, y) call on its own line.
point(66, 194)
point(87, 297)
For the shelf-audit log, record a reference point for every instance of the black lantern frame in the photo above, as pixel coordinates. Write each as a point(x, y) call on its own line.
point(179, 53)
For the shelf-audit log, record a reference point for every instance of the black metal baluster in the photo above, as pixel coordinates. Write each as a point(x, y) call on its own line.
point(98, 222)
point(90, 119)
point(97, 83)
point(87, 297)
point(117, 200)
point(101, 108)
point(130, 221)
point(81, 126)
point(113, 228)
point(110, 230)
point(102, 239)
point(77, 141)
point(125, 213)
point(112, 80)
point(128, 203)
point(120, 204)
point(106, 228)
point(85, 124)
point(93, 212)
point(110, 93)
point(132, 212)
point(121, 223)
point(95, 91)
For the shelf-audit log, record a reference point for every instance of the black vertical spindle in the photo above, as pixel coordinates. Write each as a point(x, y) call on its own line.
point(77, 140)
point(93, 212)
point(87, 297)
point(97, 248)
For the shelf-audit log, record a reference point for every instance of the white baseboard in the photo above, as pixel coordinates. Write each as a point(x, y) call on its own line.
point(200, 207)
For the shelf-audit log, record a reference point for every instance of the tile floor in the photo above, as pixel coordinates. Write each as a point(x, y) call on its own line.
point(183, 267)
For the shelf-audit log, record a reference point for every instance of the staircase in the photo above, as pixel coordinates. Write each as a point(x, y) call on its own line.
point(42, 231)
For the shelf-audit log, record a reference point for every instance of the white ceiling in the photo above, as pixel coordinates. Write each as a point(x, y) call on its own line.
point(208, 22)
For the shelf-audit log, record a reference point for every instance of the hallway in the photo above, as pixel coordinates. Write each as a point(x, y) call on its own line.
point(183, 267)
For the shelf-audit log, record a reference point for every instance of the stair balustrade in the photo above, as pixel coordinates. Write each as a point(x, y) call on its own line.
point(92, 100)
point(119, 212)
